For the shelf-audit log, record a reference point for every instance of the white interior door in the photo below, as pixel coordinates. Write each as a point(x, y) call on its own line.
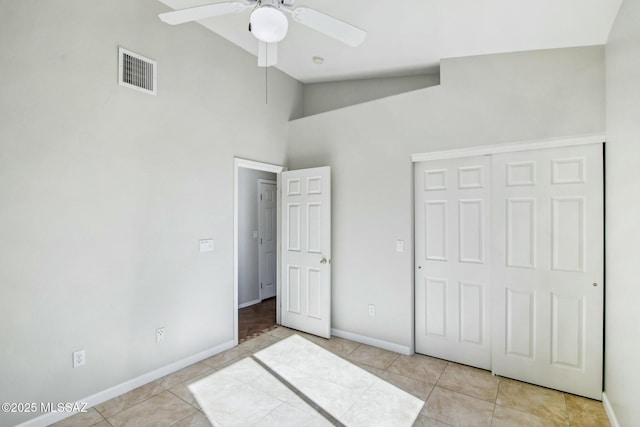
point(548, 268)
point(306, 250)
point(267, 237)
point(452, 250)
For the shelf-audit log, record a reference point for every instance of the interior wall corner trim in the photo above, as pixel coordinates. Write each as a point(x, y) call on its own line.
point(609, 410)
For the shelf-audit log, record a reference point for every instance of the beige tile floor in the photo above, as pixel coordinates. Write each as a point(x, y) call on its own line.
point(454, 395)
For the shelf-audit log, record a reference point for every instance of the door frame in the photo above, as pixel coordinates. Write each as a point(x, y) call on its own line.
point(482, 150)
point(260, 166)
point(260, 255)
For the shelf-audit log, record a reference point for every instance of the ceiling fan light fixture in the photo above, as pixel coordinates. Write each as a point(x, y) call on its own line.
point(268, 24)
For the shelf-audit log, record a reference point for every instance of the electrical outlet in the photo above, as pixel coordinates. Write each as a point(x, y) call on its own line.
point(206, 245)
point(78, 358)
point(160, 334)
point(372, 310)
point(399, 245)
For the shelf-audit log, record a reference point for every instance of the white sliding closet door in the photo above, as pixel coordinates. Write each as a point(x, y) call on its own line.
point(452, 250)
point(548, 268)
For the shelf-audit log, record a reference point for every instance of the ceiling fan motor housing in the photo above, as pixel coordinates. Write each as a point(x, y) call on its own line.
point(274, 3)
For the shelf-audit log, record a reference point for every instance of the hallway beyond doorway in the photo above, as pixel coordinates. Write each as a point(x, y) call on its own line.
point(256, 319)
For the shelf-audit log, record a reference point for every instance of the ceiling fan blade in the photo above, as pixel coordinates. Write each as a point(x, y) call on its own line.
point(267, 54)
point(202, 12)
point(332, 27)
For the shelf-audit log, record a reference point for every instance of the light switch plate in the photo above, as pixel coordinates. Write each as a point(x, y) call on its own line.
point(399, 245)
point(206, 245)
point(255, 234)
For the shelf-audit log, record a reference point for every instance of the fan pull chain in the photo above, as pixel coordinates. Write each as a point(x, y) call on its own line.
point(266, 99)
point(266, 83)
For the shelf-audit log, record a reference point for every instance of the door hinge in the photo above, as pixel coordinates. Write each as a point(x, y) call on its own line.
point(260, 285)
point(261, 197)
point(261, 240)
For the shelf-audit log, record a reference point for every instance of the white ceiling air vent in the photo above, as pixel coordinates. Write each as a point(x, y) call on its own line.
point(136, 71)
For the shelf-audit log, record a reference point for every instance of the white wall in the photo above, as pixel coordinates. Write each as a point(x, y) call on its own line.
point(322, 97)
point(248, 278)
point(105, 191)
point(622, 334)
point(481, 100)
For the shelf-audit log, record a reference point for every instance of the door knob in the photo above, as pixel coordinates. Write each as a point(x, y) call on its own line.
point(323, 260)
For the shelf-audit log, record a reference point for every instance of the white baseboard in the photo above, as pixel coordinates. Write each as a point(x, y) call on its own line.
point(102, 396)
point(247, 304)
point(609, 410)
point(402, 349)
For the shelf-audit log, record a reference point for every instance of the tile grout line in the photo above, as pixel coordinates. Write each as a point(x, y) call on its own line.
point(348, 353)
point(271, 412)
point(298, 393)
point(145, 400)
point(101, 421)
point(190, 404)
point(442, 373)
point(134, 405)
point(363, 393)
point(465, 392)
point(129, 407)
point(435, 384)
point(495, 403)
point(566, 407)
point(187, 416)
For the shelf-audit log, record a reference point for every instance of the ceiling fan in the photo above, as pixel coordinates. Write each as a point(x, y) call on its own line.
point(269, 24)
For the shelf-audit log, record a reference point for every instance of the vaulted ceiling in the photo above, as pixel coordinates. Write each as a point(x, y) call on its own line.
point(411, 36)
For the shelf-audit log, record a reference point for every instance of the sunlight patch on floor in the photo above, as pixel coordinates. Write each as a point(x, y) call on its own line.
point(245, 393)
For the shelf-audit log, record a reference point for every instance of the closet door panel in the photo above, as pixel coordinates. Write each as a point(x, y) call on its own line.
point(452, 280)
point(547, 268)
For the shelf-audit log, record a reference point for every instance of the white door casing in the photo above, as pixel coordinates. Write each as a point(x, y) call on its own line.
point(267, 238)
point(239, 164)
point(306, 250)
point(452, 259)
point(548, 268)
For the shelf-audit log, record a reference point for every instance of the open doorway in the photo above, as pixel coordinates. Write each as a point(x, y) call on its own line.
point(257, 239)
point(256, 248)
